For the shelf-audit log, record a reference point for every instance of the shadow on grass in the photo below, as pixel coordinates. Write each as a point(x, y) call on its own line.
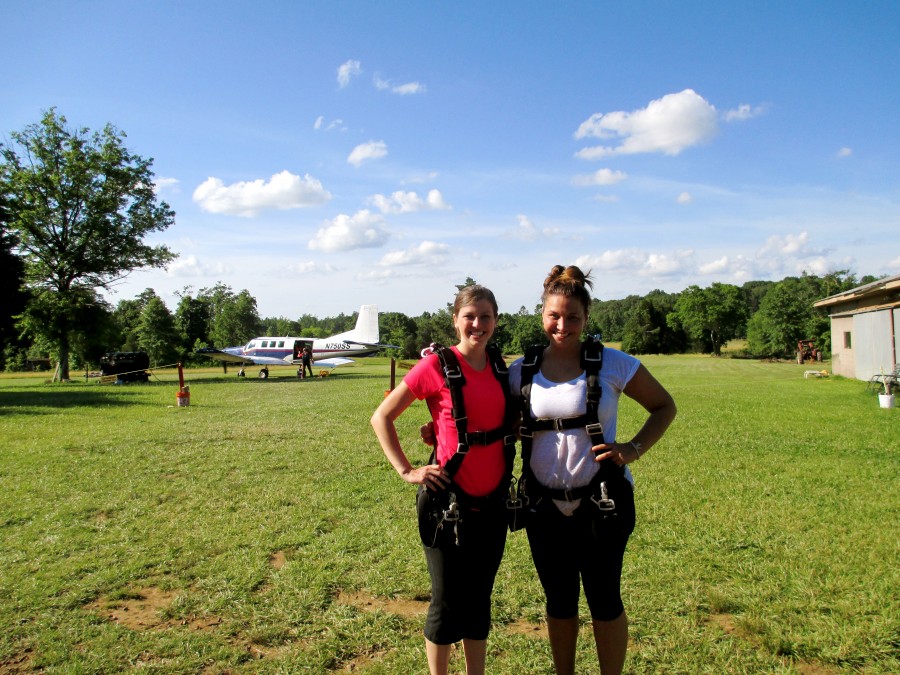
point(51, 398)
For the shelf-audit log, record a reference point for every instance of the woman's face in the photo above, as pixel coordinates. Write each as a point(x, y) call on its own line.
point(564, 319)
point(475, 324)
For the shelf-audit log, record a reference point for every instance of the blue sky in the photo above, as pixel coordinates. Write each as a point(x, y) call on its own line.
point(327, 155)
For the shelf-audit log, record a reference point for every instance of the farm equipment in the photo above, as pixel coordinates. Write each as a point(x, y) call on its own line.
point(126, 366)
point(806, 352)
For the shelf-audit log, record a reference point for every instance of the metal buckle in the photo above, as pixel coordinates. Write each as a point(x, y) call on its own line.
point(604, 503)
point(558, 424)
point(462, 448)
point(452, 373)
point(451, 513)
point(525, 432)
point(593, 429)
point(509, 439)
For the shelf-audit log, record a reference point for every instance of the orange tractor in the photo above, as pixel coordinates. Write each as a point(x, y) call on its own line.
point(806, 351)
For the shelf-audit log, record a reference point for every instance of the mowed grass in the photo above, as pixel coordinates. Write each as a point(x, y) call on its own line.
point(260, 529)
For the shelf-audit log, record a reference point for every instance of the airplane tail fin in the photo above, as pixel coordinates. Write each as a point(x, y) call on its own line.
point(366, 325)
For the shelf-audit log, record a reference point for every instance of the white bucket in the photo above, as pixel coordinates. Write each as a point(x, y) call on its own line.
point(183, 397)
point(886, 400)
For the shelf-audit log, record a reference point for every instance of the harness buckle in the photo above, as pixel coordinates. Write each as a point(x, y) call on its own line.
point(462, 448)
point(558, 424)
point(451, 513)
point(594, 429)
point(604, 503)
point(452, 373)
point(525, 432)
point(509, 439)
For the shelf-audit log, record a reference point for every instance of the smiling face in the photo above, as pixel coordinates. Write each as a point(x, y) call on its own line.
point(475, 324)
point(564, 319)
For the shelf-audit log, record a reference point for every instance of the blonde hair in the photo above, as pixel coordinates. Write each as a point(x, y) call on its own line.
point(570, 282)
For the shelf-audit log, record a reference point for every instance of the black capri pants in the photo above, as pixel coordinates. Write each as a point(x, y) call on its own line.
point(462, 578)
point(584, 548)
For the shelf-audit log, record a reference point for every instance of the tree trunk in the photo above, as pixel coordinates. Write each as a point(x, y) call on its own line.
point(64, 358)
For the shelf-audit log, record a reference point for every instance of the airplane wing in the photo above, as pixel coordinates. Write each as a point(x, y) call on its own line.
point(332, 362)
point(228, 357)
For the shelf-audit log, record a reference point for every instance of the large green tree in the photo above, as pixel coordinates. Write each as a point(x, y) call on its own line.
point(12, 275)
point(157, 334)
point(713, 315)
point(81, 205)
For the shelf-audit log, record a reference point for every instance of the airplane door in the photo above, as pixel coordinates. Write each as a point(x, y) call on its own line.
point(298, 348)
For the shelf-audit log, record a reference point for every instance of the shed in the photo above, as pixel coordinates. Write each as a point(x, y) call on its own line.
point(865, 328)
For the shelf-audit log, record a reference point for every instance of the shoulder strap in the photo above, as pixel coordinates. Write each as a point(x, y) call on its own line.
point(455, 381)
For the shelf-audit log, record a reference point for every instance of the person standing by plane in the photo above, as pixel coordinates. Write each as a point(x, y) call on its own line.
point(461, 499)
point(307, 361)
point(580, 490)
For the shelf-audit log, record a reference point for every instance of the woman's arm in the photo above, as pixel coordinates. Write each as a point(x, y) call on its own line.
point(646, 390)
point(431, 475)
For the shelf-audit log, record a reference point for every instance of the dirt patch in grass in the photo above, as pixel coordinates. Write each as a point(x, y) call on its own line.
point(146, 609)
point(19, 663)
point(528, 628)
point(727, 624)
point(371, 603)
point(277, 560)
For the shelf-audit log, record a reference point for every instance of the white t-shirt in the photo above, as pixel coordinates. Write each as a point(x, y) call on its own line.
point(563, 459)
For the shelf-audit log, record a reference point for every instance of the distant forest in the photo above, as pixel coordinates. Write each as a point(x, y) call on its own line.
point(771, 316)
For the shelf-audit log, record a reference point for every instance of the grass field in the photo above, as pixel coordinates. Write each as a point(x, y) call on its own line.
point(260, 529)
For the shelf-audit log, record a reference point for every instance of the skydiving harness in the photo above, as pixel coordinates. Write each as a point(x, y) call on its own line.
point(530, 489)
point(455, 382)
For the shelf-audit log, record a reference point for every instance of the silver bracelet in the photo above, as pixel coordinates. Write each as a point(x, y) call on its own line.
point(637, 448)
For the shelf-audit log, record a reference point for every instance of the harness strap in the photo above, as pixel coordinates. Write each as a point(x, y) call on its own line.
point(455, 381)
point(591, 363)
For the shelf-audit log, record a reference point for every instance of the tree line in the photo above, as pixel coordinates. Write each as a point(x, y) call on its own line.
point(770, 316)
point(76, 207)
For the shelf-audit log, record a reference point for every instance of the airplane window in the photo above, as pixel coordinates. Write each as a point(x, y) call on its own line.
point(265, 343)
point(281, 343)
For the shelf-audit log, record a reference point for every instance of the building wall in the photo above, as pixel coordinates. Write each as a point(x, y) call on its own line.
point(843, 361)
point(872, 342)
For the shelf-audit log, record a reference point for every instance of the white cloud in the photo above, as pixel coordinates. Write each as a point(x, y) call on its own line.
point(685, 198)
point(636, 262)
point(320, 124)
point(401, 89)
point(347, 70)
point(161, 185)
point(344, 233)
point(668, 125)
point(190, 266)
point(743, 112)
point(528, 231)
point(600, 177)
point(796, 246)
point(845, 152)
point(409, 202)
point(367, 151)
point(427, 253)
point(283, 191)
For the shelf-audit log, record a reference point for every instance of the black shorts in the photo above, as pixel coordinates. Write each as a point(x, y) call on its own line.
point(584, 548)
point(462, 578)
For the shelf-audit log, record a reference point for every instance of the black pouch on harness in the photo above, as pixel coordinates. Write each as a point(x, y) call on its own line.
point(612, 508)
point(438, 516)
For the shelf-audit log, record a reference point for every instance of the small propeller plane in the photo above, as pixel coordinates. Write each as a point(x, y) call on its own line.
point(327, 352)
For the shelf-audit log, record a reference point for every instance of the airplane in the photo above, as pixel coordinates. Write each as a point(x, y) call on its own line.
point(328, 352)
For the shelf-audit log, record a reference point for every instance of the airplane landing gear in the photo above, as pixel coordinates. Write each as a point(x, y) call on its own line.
point(264, 373)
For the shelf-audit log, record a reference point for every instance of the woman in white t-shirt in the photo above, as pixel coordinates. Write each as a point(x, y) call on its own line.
point(573, 541)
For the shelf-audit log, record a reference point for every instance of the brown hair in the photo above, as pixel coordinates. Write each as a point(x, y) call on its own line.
point(471, 294)
point(570, 282)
